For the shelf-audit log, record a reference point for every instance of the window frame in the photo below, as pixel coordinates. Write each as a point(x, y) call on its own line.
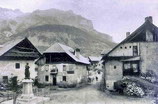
point(17, 65)
point(135, 50)
point(47, 78)
point(64, 78)
point(131, 70)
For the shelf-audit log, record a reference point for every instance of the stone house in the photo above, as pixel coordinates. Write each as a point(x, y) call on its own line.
point(61, 63)
point(13, 57)
point(136, 54)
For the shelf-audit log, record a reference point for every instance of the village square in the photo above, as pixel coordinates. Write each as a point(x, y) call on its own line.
point(126, 74)
point(78, 51)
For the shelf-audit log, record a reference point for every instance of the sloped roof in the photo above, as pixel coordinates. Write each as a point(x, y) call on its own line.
point(132, 59)
point(138, 33)
point(9, 45)
point(93, 58)
point(60, 48)
point(56, 48)
point(105, 51)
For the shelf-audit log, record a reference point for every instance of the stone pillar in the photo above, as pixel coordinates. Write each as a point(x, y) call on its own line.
point(27, 96)
point(27, 93)
point(27, 88)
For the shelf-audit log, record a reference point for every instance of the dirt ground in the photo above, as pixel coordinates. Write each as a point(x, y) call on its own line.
point(90, 95)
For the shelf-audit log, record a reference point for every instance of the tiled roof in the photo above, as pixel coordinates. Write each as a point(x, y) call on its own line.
point(60, 48)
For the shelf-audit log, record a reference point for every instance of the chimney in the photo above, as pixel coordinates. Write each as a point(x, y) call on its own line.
point(127, 34)
point(150, 19)
point(77, 52)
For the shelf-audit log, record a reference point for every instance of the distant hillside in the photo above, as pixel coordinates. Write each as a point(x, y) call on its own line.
point(45, 27)
point(9, 13)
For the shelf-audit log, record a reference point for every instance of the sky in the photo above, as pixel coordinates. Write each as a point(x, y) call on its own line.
point(113, 17)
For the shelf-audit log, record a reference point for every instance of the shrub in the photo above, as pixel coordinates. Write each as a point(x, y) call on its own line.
point(129, 87)
point(132, 89)
point(64, 84)
point(40, 85)
point(149, 76)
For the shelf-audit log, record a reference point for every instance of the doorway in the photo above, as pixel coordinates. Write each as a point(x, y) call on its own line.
point(54, 80)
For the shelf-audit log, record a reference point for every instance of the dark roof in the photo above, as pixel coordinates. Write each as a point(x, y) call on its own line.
point(5, 48)
point(139, 35)
point(60, 48)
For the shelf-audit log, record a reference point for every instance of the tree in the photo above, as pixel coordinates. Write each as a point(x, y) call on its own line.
point(13, 83)
point(27, 72)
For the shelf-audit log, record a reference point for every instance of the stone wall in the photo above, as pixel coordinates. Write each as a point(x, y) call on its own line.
point(149, 56)
point(80, 71)
point(113, 72)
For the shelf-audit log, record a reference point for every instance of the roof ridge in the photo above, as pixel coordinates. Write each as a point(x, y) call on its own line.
point(132, 35)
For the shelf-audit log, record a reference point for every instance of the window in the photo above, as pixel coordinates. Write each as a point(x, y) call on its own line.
point(17, 65)
point(64, 78)
point(129, 46)
point(125, 47)
point(47, 78)
point(121, 47)
point(70, 72)
point(135, 51)
point(64, 67)
point(5, 79)
point(131, 68)
point(114, 67)
point(99, 72)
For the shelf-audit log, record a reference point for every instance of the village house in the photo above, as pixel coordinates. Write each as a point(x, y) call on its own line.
point(135, 55)
point(95, 68)
point(13, 57)
point(94, 61)
point(62, 63)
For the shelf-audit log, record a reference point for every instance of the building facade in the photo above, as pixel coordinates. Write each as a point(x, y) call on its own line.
point(13, 57)
point(135, 55)
point(62, 63)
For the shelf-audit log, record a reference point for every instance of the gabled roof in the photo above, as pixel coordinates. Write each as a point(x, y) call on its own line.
point(105, 51)
point(7, 46)
point(11, 44)
point(138, 35)
point(93, 58)
point(60, 48)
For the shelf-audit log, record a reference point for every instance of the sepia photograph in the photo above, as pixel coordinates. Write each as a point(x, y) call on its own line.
point(78, 52)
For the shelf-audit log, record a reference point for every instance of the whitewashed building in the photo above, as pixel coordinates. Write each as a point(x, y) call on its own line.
point(13, 57)
point(135, 55)
point(61, 63)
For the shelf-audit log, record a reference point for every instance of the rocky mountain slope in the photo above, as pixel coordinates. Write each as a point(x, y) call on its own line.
point(45, 27)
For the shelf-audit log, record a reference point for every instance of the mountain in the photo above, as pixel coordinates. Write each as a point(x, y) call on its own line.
point(45, 27)
point(9, 13)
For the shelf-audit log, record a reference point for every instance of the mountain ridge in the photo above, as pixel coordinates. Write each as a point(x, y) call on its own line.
point(45, 27)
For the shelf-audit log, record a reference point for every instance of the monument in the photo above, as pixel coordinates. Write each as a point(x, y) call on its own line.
point(27, 96)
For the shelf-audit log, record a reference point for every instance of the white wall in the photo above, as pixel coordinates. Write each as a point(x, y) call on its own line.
point(113, 74)
point(126, 50)
point(79, 72)
point(7, 68)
